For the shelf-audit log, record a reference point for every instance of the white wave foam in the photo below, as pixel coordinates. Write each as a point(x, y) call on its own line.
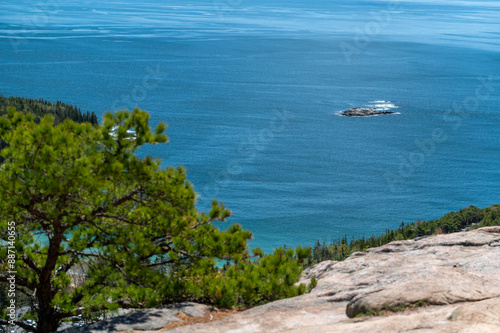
point(382, 105)
point(377, 102)
point(386, 105)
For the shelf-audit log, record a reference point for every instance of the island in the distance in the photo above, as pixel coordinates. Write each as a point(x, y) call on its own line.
point(363, 112)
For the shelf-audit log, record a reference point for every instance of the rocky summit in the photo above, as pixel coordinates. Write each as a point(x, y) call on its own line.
point(363, 112)
point(442, 283)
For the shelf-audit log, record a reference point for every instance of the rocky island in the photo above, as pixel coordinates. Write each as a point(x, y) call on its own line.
point(363, 112)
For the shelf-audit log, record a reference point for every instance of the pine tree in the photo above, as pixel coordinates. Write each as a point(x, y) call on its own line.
point(84, 203)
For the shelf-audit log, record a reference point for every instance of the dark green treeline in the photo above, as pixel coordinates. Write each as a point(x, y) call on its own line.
point(40, 108)
point(465, 219)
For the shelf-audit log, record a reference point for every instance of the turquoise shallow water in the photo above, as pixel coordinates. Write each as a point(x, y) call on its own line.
point(250, 91)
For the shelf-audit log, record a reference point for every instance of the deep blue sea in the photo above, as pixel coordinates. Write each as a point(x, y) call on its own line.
point(251, 90)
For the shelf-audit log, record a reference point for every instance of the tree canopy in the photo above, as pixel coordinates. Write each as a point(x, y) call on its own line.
point(40, 107)
point(98, 227)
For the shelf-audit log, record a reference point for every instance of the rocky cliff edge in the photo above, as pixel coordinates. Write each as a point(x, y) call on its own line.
point(443, 283)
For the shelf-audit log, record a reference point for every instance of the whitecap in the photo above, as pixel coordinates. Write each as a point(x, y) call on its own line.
point(99, 12)
point(383, 105)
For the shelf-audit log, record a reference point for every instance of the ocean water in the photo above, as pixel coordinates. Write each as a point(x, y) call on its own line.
point(251, 91)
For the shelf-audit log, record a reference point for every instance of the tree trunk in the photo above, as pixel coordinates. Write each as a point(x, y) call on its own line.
point(47, 321)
